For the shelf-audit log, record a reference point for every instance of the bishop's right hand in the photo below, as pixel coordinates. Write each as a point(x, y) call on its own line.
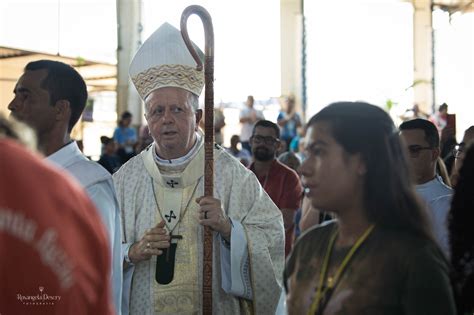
point(152, 243)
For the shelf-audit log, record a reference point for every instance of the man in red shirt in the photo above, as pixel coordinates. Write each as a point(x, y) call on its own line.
point(280, 182)
point(53, 247)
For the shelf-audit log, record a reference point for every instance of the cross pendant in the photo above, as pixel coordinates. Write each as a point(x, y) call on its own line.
point(172, 183)
point(172, 237)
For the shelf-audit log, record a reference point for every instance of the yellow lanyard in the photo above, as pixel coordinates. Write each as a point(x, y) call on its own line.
point(331, 284)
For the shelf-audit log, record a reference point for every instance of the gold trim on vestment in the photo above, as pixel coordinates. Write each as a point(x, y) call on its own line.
point(183, 294)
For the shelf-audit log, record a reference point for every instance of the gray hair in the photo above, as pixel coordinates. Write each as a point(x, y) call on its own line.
point(194, 101)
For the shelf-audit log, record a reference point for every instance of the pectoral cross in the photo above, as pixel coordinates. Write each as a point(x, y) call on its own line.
point(170, 216)
point(171, 183)
point(172, 237)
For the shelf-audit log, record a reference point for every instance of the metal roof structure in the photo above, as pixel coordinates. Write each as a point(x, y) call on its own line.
point(99, 76)
point(454, 6)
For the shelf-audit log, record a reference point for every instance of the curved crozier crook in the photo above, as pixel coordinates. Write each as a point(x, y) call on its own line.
point(208, 32)
point(209, 86)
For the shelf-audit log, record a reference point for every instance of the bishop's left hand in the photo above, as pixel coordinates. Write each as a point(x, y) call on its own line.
point(211, 214)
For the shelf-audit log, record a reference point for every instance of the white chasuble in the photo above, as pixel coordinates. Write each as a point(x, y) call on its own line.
point(140, 186)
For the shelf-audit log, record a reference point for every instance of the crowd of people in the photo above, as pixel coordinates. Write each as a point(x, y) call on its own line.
point(344, 214)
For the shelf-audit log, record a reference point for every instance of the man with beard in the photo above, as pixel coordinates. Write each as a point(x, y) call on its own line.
point(280, 182)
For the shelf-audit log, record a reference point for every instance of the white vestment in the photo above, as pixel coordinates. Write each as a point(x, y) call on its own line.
point(437, 196)
point(146, 197)
point(99, 187)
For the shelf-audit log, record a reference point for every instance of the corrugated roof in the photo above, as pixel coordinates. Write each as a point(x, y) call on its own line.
point(99, 76)
point(455, 5)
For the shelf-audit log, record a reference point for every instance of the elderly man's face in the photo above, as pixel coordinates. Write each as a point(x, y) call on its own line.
point(172, 121)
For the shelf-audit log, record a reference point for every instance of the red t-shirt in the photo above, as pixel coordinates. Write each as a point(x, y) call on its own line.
point(54, 255)
point(283, 186)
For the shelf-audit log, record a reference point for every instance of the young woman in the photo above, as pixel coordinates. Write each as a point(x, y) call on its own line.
point(378, 257)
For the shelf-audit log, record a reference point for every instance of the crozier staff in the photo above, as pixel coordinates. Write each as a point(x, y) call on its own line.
point(208, 136)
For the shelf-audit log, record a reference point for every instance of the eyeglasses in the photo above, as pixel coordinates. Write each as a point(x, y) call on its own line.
point(261, 139)
point(415, 150)
point(458, 150)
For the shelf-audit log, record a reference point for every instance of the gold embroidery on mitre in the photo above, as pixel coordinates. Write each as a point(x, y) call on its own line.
point(182, 76)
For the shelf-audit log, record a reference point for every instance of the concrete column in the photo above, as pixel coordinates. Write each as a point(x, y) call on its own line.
point(129, 40)
point(291, 46)
point(423, 54)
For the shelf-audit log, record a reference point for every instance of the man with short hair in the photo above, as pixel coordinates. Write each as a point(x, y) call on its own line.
point(248, 117)
point(50, 96)
point(422, 140)
point(280, 182)
point(109, 158)
point(161, 190)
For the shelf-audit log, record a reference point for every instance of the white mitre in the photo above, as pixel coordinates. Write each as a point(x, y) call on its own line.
point(163, 61)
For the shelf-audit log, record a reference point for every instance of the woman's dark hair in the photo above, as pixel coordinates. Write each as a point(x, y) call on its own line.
point(389, 197)
point(461, 233)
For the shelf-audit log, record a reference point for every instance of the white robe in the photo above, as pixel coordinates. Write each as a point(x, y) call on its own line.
point(244, 201)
